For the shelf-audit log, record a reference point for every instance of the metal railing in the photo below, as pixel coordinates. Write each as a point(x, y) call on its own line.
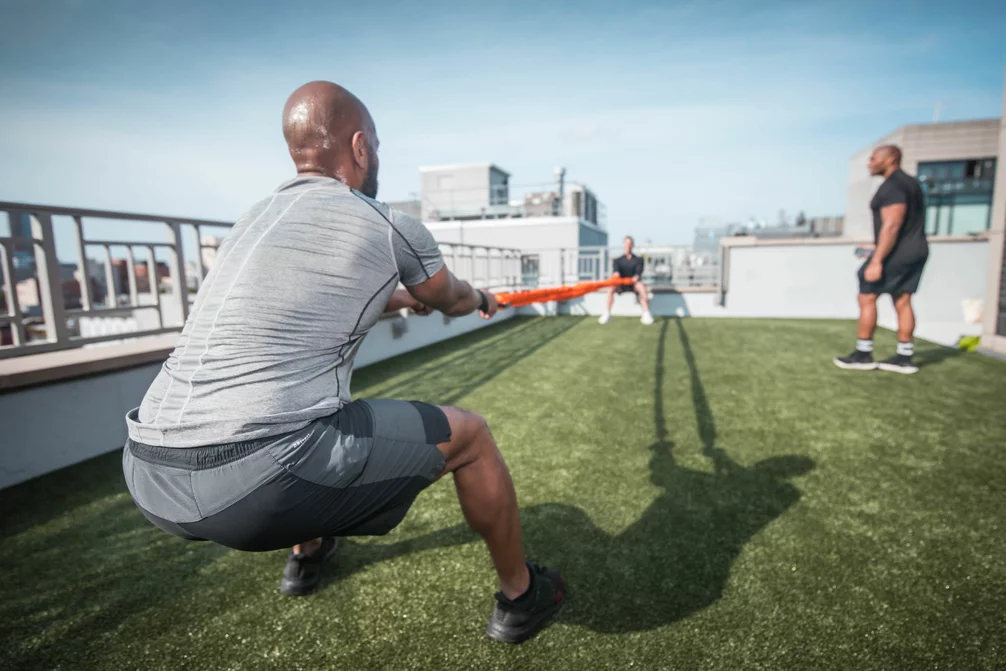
point(670, 268)
point(492, 268)
point(61, 324)
point(58, 324)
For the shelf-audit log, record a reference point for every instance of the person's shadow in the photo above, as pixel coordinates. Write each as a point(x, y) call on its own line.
point(676, 558)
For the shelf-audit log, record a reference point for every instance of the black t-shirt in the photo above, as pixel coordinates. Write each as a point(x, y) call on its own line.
point(629, 266)
point(902, 188)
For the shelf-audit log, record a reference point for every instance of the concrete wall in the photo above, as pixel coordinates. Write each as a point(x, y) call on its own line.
point(819, 281)
point(55, 425)
point(662, 304)
point(952, 141)
point(994, 331)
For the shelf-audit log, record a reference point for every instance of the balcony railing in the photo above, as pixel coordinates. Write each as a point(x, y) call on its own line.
point(58, 325)
point(669, 267)
point(70, 313)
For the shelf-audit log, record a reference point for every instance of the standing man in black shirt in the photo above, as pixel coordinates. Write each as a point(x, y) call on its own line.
point(895, 267)
point(628, 265)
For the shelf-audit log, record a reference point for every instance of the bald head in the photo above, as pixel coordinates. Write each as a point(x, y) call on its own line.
point(330, 132)
point(884, 160)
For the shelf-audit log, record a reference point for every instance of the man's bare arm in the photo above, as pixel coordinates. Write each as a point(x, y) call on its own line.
point(453, 297)
point(892, 217)
point(403, 299)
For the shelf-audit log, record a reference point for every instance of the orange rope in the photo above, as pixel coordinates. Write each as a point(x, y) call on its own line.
point(517, 299)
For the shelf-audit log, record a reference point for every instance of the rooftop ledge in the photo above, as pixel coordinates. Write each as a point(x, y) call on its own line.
point(37, 369)
point(752, 241)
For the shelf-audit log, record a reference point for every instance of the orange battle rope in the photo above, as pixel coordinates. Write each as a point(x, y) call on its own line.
point(516, 299)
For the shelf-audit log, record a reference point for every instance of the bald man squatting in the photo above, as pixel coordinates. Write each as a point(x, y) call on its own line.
point(248, 436)
point(896, 264)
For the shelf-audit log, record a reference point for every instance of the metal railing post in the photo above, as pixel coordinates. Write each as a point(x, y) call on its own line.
point(51, 287)
point(134, 299)
point(18, 335)
point(111, 281)
point(200, 271)
point(155, 284)
point(176, 266)
point(82, 267)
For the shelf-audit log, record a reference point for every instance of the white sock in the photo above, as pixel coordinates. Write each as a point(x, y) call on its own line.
point(864, 345)
point(906, 349)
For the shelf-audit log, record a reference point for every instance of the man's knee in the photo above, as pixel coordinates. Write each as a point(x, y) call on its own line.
point(467, 428)
point(867, 299)
point(640, 288)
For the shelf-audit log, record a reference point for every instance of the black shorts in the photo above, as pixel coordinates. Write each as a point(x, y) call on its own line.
point(355, 473)
point(898, 277)
point(626, 288)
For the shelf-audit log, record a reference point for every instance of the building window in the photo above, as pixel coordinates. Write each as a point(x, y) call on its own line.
point(958, 195)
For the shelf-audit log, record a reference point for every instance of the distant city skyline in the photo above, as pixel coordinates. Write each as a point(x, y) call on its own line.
point(669, 115)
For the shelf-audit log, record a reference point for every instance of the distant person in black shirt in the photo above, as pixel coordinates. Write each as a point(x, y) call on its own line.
point(895, 267)
point(628, 265)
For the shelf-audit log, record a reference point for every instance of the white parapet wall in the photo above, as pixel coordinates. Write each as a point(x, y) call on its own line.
point(692, 303)
point(816, 279)
point(65, 421)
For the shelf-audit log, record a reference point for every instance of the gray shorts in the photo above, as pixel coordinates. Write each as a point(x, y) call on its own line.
point(355, 473)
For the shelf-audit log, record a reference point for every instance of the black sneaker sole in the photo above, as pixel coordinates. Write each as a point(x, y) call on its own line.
point(904, 370)
point(856, 366)
point(298, 587)
point(527, 630)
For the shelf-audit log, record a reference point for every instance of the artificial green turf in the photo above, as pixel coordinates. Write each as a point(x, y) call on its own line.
point(719, 495)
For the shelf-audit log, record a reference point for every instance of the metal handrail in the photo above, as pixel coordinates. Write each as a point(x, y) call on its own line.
point(108, 214)
point(493, 268)
point(59, 322)
point(663, 269)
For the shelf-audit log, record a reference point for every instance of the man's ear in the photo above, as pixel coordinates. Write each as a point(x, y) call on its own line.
point(360, 155)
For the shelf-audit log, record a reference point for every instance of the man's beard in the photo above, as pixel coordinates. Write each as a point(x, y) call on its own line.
point(369, 187)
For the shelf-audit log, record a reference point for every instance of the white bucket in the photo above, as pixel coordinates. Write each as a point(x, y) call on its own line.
point(973, 309)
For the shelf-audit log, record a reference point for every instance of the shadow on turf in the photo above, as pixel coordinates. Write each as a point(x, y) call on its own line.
point(676, 558)
point(935, 355)
point(454, 377)
point(90, 563)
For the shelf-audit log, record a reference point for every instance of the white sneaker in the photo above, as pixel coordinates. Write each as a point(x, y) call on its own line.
point(605, 318)
point(647, 318)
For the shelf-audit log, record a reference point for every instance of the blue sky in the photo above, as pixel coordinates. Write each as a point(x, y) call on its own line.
point(669, 111)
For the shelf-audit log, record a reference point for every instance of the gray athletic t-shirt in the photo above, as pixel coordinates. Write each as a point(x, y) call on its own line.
point(270, 341)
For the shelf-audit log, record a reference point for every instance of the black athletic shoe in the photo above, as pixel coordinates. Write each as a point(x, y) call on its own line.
point(511, 623)
point(899, 363)
point(856, 361)
point(303, 571)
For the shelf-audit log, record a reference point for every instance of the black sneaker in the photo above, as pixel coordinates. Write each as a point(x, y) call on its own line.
point(511, 623)
point(303, 571)
point(856, 361)
point(899, 363)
